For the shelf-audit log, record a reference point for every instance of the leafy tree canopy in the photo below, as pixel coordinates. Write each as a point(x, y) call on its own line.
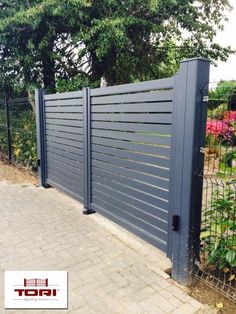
point(63, 44)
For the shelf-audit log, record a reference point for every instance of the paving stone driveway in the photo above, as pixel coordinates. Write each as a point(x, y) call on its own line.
point(110, 270)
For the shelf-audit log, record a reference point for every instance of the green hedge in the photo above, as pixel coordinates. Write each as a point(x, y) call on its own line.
point(24, 144)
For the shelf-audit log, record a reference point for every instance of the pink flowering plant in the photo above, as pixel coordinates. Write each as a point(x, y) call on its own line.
point(222, 131)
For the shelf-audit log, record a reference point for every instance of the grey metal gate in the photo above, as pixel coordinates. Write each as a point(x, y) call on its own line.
point(131, 152)
point(131, 128)
point(63, 142)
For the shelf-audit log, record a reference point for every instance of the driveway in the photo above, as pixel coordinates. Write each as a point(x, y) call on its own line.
point(110, 270)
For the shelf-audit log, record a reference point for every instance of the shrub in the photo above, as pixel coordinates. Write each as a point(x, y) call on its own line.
point(221, 130)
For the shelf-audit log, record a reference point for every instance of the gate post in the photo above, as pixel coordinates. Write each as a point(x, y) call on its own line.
point(87, 151)
point(189, 120)
point(41, 136)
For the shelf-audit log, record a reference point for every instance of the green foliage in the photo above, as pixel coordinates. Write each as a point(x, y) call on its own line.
point(219, 235)
point(219, 112)
point(24, 144)
point(50, 42)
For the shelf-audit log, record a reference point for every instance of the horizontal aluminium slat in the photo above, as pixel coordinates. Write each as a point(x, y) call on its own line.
point(162, 162)
point(74, 178)
point(66, 129)
point(78, 102)
point(159, 182)
point(129, 136)
point(147, 236)
point(66, 148)
point(65, 161)
point(142, 148)
point(127, 191)
point(64, 109)
point(65, 141)
point(132, 165)
point(64, 168)
point(141, 127)
point(64, 135)
point(78, 194)
point(67, 95)
point(116, 205)
point(76, 123)
point(138, 221)
point(139, 107)
point(161, 95)
point(64, 184)
point(126, 181)
point(162, 118)
point(64, 116)
point(62, 153)
point(165, 83)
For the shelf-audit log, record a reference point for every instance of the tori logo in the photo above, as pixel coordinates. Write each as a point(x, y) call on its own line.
point(36, 292)
point(39, 289)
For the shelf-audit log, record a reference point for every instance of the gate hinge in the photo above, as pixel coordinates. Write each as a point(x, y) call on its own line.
point(38, 162)
point(175, 223)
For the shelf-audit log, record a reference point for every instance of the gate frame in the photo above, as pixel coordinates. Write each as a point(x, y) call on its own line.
point(188, 141)
point(187, 160)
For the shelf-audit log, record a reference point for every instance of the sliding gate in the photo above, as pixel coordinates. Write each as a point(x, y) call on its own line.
point(131, 152)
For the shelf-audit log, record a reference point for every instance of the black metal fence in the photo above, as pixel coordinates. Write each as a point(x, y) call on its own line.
point(18, 132)
point(217, 265)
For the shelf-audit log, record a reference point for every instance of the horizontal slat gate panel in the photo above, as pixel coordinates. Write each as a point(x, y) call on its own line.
point(64, 115)
point(78, 194)
point(127, 198)
point(64, 122)
point(142, 148)
point(149, 159)
point(70, 186)
point(65, 129)
point(66, 164)
point(135, 137)
point(161, 118)
point(166, 83)
point(163, 95)
point(161, 183)
point(99, 183)
point(132, 165)
point(131, 128)
point(126, 181)
point(140, 127)
point(77, 102)
point(65, 141)
point(105, 209)
point(121, 209)
point(68, 173)
point(64, 109)
point(67, 95)
point(66, 148)
point(64, 135)
point(139, 107)
point(68, 155)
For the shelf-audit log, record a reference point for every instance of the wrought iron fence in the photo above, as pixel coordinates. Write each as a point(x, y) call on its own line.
point(217, 266)
point(18, 132)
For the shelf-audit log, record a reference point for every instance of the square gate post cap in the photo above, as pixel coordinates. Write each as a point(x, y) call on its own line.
point(195, 59)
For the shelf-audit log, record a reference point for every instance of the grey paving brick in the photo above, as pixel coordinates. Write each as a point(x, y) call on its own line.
point(110, 270)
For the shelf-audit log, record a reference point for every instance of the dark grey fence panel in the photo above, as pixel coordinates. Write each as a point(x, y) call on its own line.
point(130, 150)
point(131, 153)
point(64, 142)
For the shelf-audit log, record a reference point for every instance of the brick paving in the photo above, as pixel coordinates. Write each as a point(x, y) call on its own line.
point(109, 269)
